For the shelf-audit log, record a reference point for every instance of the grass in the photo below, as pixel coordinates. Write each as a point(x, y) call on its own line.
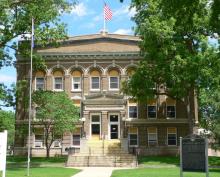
point(36, 161)
point(160, 172)
point(41, 172)
point(170, 160)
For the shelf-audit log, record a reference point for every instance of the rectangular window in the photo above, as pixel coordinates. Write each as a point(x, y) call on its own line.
point(58, 83)
point(113, 83)
point(152, 136)
point(39, 83)
point(76, 83)
point(132, 111)
point(171, 111)
point(151, 111)
point(39, 139)
point(76, 140)
point(171, 137)
point(95, 83)
point(133, 139)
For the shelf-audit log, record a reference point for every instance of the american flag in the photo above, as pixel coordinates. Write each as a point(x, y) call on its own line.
point(107, 12)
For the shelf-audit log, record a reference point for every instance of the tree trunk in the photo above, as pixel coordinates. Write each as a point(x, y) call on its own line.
point(189, 114)
point(48, 151)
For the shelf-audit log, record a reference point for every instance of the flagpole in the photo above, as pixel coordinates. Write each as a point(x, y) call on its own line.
point(104, 21)
point(30, 97)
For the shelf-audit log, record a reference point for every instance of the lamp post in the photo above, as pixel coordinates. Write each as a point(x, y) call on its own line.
point(83, 119)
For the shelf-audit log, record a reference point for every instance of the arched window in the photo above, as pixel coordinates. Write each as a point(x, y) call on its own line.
point(76, 81)
point(95, 80)
point(39, 80)
point(113, 80)
point(58, 80)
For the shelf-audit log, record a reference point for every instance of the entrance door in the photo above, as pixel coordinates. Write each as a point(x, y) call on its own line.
point(114, 131)
point(95, 126)
point(114, 126)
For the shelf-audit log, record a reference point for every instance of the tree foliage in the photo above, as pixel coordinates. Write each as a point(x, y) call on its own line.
point(7, 122)
point(15, 24)
point(56, 113)
point(175, 50)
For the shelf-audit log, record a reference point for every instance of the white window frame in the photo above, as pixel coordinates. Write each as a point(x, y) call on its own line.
point(109, 83)
point(152, 133)
point(129, 111)
point(80, 83)
point(96, 89)
point(55, 83)
point(137, 139)
point(39, 141)
point(175, 111)
point(113, 123)
point(57, 141)
point(100, 123)
point(156, 112)
point(36, 82)
point(172, 133)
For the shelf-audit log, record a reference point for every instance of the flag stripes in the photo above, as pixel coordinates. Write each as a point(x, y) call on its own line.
point(107, 12)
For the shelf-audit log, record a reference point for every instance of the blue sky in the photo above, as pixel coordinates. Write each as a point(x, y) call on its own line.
point(87, 18)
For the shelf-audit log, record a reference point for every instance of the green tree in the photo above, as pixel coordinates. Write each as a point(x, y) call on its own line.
point(210, 114)
point(56, 113)
point(175, 50)
point(15, 22)
point(7, 122)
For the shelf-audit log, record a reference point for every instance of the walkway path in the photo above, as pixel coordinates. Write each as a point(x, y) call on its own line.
point(96, 171)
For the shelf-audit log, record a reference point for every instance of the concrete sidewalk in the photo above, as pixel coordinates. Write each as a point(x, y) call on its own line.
point(96, 171)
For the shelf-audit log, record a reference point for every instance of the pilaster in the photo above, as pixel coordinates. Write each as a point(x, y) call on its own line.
point(104, 124)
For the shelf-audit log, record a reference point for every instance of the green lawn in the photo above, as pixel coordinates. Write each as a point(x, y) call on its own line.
point(170, 160)
point(41, 172)
point(36, 161)
point(160, 172)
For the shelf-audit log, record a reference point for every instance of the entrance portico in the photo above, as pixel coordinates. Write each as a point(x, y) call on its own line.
point(103, 116)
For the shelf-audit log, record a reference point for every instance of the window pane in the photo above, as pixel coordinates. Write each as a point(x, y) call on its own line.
point(76, 140)
point(58, 83)
point(95, 82)
point(113, 118)
point(171, 112)
point(39, 83)
point(95, 118)
point(151, 111)
point(171, 139)
point(133, 139)
point(114, 82)
point(133, 111)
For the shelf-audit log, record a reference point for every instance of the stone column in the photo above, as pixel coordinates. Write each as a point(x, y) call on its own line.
point(49, 82)
point(87, 124)
point(67, 84)
point(104, 85)
point(86, 83)
point(104, 124)
point(122, 124)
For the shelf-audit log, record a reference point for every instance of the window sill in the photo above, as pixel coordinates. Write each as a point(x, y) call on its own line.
point(170, 118)
point(95, 90)
point(58, 90)
point(76, 90)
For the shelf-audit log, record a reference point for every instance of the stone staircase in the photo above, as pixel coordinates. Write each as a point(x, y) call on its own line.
point(99, 153)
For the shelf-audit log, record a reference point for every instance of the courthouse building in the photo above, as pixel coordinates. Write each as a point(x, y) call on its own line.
point(90, 69)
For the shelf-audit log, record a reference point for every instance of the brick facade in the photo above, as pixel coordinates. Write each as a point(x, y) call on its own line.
point(102, 56)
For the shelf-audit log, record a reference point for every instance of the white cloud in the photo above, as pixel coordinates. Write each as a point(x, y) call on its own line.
point(79, 10)
point(125, 10)
point(123, 31)
point(98, 18)
point(7, 79)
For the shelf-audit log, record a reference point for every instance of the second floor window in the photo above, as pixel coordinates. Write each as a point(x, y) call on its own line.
point(39, 83)
point(151, 111)
point(58, 83)
point(95, 83)
point(171, 111)
point(113, 83)
point(76, 83)
point(132, 111)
